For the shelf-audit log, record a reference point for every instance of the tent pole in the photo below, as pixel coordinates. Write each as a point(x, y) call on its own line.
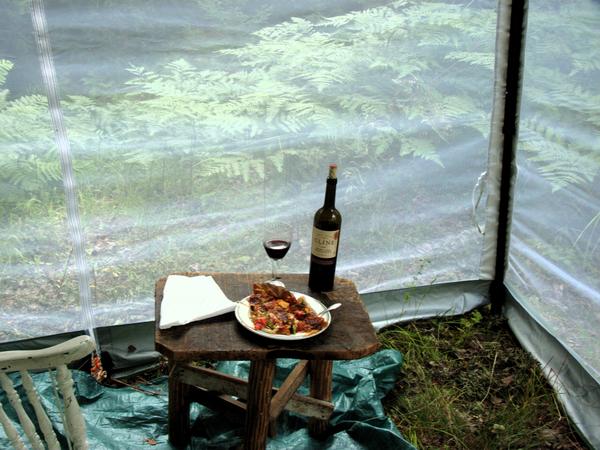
point(49, 78)
point(510, 132)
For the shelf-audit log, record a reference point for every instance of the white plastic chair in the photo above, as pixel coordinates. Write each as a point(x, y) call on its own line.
point(53, 359)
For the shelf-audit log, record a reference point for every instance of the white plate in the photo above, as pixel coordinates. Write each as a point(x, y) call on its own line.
point(242, 314)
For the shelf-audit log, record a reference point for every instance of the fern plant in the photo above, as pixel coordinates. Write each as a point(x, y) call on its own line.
point(559, 88)
point(354, 83)
point(560, 132)
point(348, 78)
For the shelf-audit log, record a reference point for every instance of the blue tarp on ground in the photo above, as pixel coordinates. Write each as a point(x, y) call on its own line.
point(125, 418)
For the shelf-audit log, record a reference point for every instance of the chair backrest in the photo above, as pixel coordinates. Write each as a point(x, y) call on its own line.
point(53, 359)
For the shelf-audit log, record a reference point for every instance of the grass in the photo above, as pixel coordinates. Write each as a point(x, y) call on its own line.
point(467, 383)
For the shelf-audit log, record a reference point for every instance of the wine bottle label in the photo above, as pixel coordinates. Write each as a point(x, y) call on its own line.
point(324, 243)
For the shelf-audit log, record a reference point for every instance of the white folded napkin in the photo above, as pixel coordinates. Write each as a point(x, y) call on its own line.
point(187, 299)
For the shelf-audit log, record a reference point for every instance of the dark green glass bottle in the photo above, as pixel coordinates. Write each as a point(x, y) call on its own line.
point(325, 239)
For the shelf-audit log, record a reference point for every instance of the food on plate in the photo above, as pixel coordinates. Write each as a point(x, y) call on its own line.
point(275, 310)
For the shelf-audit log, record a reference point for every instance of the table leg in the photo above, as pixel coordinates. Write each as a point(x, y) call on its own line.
point(320, 388)
point(179, 410)
point(260, 385)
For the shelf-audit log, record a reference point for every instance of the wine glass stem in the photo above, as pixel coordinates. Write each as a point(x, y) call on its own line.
point(274, 268)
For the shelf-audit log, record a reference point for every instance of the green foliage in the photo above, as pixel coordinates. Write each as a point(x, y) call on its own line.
point(348, 78)
point(561, 94)
point(561, 161)
point(5, 66)
point(28, 161)
point(482, 59)
point(421, 148)
point(351, 81)
point(354, 76)
point(469, 321)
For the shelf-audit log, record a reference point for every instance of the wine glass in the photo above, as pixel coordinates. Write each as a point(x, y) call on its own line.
point(277, 239)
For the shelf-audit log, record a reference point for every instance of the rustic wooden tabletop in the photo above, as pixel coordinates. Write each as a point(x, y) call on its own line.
point(350, 335)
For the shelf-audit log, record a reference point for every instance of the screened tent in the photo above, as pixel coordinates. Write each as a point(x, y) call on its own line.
point(142, 138)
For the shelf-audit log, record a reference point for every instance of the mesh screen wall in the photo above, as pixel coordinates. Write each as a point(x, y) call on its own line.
point(554, 264)
point(191, 123)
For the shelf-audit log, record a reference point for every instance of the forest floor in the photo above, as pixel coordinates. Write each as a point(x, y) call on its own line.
point(466, 383)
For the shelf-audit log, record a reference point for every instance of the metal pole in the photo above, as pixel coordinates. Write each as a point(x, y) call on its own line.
point(510, 131)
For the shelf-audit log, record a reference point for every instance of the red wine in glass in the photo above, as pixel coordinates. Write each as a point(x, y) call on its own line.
point(277, 239)
point(276, 248)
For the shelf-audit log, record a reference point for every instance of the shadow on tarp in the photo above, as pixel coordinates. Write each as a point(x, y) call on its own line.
point(119, 418)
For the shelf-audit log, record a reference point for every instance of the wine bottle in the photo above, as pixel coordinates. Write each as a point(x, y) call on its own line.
point(325, 239)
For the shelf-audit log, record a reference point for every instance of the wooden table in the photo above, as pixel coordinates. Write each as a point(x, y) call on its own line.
point(350, 336)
